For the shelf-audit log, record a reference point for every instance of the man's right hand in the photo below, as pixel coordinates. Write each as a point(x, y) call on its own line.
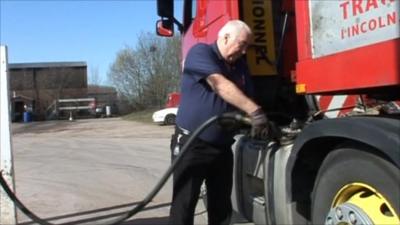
point(259, 124)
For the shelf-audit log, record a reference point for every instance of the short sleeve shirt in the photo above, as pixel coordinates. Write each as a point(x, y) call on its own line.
point(198, 101)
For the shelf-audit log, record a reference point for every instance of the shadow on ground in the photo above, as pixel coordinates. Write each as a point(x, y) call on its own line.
point(105, 216)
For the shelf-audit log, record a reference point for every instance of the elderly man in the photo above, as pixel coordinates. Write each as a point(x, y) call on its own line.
point(215, 80)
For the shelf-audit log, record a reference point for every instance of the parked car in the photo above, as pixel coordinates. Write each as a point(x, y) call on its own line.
point(165, 116)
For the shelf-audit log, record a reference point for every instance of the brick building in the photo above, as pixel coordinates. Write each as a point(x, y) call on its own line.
point(37, 85)
point(105, 96)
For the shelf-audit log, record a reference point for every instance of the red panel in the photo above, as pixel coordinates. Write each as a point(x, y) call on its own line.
point(217, 14)
point(303, 31)
point(371, 66)
point(233, 9)
point(375, 65)
point(211, 16)
point(289, 43)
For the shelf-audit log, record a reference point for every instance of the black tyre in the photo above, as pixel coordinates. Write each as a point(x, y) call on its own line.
point(169, 119)
point(356, 187)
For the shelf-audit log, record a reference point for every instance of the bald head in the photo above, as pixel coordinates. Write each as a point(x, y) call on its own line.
point(233, 40)
point(234, 27)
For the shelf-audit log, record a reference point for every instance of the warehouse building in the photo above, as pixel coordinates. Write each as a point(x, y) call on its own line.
point(35, 87)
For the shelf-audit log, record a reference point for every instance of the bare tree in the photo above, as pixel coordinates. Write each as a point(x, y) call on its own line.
point(95, 81)
point(125, 73)
point(147, 73)
point(94, 77)
point(166, 67)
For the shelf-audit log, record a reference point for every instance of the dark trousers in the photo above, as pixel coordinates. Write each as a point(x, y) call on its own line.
point(202, 162)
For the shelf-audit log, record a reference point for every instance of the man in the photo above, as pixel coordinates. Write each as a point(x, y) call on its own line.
point(215, 80)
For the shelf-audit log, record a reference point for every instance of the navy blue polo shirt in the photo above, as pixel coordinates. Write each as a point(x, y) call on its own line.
point(198, 101)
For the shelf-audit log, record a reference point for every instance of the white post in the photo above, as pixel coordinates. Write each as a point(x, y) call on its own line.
point(7, 207)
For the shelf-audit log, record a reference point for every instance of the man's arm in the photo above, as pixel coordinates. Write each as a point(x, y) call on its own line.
point(228, 91)
point(233, 95)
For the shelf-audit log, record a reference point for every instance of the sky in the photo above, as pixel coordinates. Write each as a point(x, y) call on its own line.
point(63, 31)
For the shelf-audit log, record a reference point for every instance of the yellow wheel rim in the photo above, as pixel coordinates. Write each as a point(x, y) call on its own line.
point(369, 204)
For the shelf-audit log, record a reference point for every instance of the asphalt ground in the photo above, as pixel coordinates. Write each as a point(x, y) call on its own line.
point(91, 171)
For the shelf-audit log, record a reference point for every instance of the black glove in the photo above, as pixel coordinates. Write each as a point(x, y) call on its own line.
point(259, 124)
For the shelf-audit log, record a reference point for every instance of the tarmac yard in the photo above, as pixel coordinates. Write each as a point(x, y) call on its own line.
point(90, 171)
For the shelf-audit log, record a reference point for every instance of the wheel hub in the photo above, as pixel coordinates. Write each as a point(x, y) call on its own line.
point(347, 213)
point(359, 203)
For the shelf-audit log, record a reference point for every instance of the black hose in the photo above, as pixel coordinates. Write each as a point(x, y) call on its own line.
point(19, 204)
point(233, 117)
point(167, 173)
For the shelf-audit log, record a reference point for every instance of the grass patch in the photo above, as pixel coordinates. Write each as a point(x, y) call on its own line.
point(140, 116)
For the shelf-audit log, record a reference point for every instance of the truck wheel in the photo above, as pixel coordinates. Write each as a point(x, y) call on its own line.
point(169, 119)
point(356, 187)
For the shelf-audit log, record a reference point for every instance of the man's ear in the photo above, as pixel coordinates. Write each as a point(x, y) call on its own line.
point(226, 38)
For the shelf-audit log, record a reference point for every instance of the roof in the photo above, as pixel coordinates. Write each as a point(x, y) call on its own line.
point(46, 65)
point(23, 97)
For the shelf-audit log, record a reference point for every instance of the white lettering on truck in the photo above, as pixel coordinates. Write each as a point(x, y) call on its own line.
point(347, 24)
point(359, 7)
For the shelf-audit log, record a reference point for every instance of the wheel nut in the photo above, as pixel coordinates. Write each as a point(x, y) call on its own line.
point(353, 218)
point(339, 213)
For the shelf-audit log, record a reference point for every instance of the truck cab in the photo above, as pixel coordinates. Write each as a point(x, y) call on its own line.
point(324, 71)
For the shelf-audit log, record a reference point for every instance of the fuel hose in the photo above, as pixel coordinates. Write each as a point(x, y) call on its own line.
point(226, 118)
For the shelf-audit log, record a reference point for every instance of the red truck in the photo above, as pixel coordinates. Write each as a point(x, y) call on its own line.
point(173, 100)
point(328, 72)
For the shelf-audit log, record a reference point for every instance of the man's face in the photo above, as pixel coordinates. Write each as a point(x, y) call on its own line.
point(236, 46)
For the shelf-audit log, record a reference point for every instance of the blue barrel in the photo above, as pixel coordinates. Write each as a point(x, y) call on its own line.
point(27, 117)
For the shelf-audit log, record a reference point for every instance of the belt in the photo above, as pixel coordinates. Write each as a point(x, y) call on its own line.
point(182, 130)
point(179, 132)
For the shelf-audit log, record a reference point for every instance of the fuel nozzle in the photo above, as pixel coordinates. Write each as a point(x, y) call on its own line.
point(233, 119)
